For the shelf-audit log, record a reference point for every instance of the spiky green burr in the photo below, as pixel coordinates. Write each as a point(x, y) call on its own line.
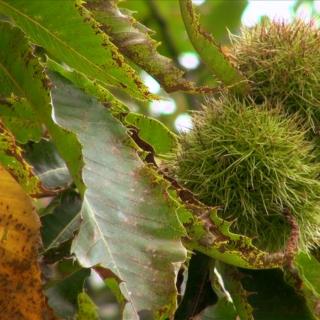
point(282, 63)
point(255, 163)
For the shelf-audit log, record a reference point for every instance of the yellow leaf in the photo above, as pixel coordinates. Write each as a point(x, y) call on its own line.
point(21, 294)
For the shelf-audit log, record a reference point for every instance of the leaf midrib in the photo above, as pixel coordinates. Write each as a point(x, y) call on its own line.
point(55, 170)
point(91, 213)
point(55, 241)
point(60, 41)
point(10, 76)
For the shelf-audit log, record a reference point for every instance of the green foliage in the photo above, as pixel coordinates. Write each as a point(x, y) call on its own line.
point(224, 309)
point(308, 270)
point(114, 232)
point(48, 165)
point(61, 219)
point(11, 158)
point(135, 42)
point(198, 292)
point(87, 309)
point(153, 132)
point(255, 164)
point(102, 62)
point(281, 62)
point(24, 76)
point(209, 50)
point(272, 298)
point(63, 290)
point(76, 135)
point(232, 282)
point(18, 116)
point(215, 11)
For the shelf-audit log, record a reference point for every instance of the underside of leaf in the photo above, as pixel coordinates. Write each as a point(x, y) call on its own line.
point(128, 224)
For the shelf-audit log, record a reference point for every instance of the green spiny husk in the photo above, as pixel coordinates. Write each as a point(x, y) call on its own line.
point(282, 64)
point(255, 163)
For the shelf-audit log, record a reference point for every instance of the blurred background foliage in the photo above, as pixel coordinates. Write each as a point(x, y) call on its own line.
point(218, 17)
point(163, 19)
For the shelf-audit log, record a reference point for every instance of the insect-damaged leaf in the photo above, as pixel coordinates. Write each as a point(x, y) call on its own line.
point(151, 130)
point(20, 279)
point(92, 88)
point(79, 44)
point(24, 76)
point(18, 116)
point(154, 132)
point(129, 225)
point(219, 242)
point(11, 159)
point(134, 41)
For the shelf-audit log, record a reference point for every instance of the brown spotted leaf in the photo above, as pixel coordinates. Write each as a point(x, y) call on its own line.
point(210, 235)
point(21, 296)
point(129, 224)
point(77, 41)
point(22, 75)
point(134, 41)
point(19, 118)
point(11, 158)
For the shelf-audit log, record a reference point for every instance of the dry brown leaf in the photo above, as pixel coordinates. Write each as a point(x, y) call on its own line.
point(21, 295)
